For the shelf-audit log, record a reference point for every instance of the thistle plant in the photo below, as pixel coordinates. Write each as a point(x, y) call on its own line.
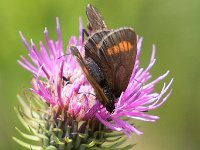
point(61, 111)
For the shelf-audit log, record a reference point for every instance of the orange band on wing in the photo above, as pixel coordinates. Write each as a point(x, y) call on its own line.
point(121, 47)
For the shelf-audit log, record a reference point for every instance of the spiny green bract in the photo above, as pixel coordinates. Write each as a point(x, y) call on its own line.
point(52, 129)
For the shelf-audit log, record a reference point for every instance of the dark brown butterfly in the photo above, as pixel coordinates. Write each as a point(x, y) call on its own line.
point(109, 58)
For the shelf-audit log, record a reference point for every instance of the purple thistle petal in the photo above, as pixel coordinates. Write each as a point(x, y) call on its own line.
point(59, 41)
point(45, 56)
point(27, 65)
point(153, 53)
point(108, 124)
point(90, 112)
point(73, 41)
point(24, 41)
point(42, 91)
point(126, 127)
point(80, 31)
point(35, 50)
point(34, 58)
point(48, 43)
point(59, 84)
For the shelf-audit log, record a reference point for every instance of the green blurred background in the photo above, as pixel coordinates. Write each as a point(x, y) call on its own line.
point(173, 25)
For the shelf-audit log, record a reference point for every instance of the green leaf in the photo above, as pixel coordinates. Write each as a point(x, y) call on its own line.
point(113, 134)
point(91, 144)
point(57, 140)
point(68, 140)
point(26, 145)
point(27, 136)
point(50, 148)
point(42, 136)
point(110, 148)
point(112, 139)
point(125, 147)
point(119, 142)
point(57, 130)
point(23, 103)
point(81, 135)
point(21, 119)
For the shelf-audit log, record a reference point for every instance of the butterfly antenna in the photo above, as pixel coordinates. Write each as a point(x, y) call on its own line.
point(63, 56)
point(138, 90)
point(137, 80)
point(142, 84)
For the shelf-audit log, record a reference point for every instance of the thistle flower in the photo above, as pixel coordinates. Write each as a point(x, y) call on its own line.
point(64, 112)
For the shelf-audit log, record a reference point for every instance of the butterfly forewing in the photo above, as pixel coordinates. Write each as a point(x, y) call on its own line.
point(92, 45)
point(95, 20)
point(118, 50)
point(83, 64)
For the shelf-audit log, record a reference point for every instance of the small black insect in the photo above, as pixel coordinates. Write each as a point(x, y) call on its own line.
point(109, 58)
point(65, 80)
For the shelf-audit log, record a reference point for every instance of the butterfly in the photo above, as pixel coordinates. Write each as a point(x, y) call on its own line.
point(109, 58)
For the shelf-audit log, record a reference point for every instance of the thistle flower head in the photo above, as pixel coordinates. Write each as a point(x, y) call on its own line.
point(58, 78)
point(60, 83)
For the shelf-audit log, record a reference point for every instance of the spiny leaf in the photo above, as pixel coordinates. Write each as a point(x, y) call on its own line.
point(91, 144)
point(26, 145)
point(126, 147)
point(23, 103)
point(31, 130)
point(50, 148)
point(110, 148)
point(34, 112)
point(21, 119)
point(43, 128)
point(68, 140)
point(99, 141)
point(30, 118)
point(112, 139)
point(27, 119)
point(39, 110)
point(81, 135)
point(57, 130)
point(57, 140)
point(42, 136)
point(113, 134)
point(27, 136)
point(34, 132)
point(119, 142)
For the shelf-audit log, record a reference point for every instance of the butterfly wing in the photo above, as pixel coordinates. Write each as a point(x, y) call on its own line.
point(95, 20)
point(118, 51)
point(98, 90)
point(91, 45)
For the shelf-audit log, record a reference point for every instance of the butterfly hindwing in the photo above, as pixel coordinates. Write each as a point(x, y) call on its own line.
point(118, 50)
